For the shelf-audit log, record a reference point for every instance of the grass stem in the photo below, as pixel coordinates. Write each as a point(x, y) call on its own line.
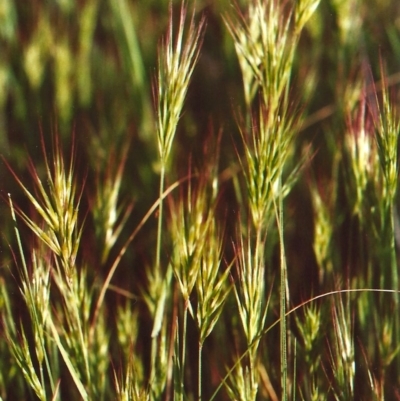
point(199, 374)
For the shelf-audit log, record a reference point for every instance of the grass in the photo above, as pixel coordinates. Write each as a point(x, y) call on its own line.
point(200, 201)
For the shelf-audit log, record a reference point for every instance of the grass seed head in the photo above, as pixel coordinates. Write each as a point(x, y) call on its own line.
point(177, 59)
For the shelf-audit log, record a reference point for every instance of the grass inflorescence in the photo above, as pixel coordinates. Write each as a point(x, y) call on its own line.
point(215, 216)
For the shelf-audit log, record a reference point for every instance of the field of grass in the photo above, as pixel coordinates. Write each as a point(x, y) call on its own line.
point(199, 200)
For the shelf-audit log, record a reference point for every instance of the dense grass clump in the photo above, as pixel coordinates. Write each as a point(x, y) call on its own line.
point(200, 201)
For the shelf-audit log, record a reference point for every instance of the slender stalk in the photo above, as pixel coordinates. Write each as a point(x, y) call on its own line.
point(183, 356)
point(19, 244)
point(199, 371)
point(283, 287)
point(153, 359)
point(395, 279)
point(294, 370)
point(154, 347)
point(393, 259)
point(259, 260)
point(160, 215)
